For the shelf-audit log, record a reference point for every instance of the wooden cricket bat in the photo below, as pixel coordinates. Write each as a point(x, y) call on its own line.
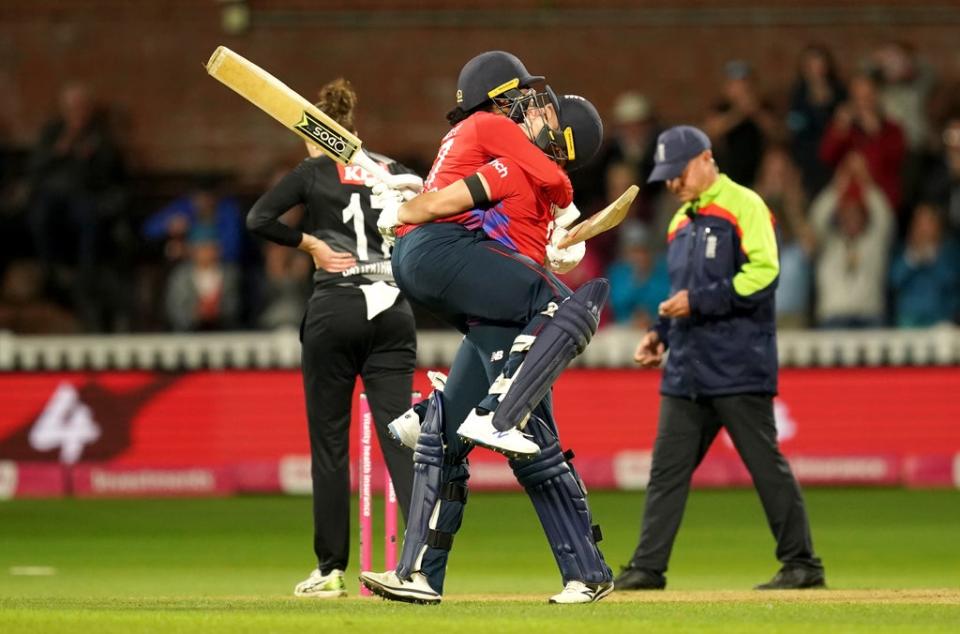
point(286, 106)
point(604, 220)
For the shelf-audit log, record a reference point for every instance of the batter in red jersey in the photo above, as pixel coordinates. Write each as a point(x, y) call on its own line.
point(491, 291)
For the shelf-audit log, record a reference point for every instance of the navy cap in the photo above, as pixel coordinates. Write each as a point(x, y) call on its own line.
point(676, 147)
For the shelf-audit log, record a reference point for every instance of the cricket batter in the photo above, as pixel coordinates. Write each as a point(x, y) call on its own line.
point(486, 285)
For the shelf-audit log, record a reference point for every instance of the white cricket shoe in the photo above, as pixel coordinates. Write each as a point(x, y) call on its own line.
point(579, 592)
point(479, 430)
point(405, 429)
point(389, 586)
point(321, 586)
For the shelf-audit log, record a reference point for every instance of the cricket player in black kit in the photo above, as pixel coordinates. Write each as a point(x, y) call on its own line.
point(356, 324)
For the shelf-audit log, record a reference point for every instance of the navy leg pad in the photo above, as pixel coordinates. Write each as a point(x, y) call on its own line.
point(427, 474)
point(558, 343)
point(560, 500)
point(438, 478)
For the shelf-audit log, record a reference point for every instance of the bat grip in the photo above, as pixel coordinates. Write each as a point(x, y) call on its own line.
point(376, 170)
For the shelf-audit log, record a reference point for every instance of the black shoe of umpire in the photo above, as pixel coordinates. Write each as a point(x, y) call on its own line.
point(795, 578)
point(631, 578)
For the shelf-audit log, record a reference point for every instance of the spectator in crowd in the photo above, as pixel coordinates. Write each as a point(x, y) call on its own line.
point(77, 193)
point(860, 126)
point(942, 183)
point(628, 153)
point(24, 310)
point(629, 147)
point(204, 207)
point(203, 292)
point(815, 95)
point(638, 280)
point(603, 248)
point(925, 274)
point(906, 85)
point(781, 187)
point(285, 287)
point(853, 223)
point(741, 124)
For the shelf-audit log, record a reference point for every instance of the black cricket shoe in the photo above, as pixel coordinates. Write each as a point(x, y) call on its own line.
point(631, 578)
point(795, 578)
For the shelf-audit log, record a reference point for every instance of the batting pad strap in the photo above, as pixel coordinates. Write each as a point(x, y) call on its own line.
point(522, 343)
point(476, 189)
point(597, 533)
point(439, 539)
point(454, 492)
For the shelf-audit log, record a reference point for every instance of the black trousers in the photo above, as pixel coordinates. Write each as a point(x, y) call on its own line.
point(338, 345)
point(685, 431)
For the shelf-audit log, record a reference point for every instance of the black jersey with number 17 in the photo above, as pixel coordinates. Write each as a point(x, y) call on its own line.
point(340, 209)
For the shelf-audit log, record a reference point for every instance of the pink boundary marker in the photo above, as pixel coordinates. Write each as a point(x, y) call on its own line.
point(364, 485)
point(364, 478)
point(389, 523)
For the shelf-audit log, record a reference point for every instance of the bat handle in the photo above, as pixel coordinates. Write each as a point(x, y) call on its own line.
point(364, 160)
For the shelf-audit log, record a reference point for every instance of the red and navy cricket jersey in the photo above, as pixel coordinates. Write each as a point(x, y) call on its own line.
point(474, 142)
point(521, 213)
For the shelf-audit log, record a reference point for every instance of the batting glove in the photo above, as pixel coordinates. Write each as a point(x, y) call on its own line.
point(563, 260)
point(564, 217)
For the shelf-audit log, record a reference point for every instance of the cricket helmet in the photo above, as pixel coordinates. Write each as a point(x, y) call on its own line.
point(492, 75)
point(580, 133)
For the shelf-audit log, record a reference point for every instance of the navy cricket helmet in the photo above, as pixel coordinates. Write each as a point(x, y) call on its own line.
point(492, 75)
point(580, 134)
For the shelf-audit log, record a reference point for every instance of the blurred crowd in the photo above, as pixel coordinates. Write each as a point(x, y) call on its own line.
point(860, 167)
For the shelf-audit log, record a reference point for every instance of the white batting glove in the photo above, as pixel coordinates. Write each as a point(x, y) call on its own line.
point(387, 221)
point(563, 260)
point(381, 194)
point(564, 217)
point(406, 183)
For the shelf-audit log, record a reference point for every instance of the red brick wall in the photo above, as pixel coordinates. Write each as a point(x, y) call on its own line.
point(145, 59)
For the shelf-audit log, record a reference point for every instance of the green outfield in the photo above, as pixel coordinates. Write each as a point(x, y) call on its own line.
point(229, 565)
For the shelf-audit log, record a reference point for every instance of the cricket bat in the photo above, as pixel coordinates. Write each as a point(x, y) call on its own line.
point(604, 220)
point(289, 108)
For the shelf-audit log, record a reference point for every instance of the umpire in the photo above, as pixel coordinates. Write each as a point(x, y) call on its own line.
point(718, 325)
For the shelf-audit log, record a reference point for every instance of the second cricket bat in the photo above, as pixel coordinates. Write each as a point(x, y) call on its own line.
point(604, 220)
point(289, 108)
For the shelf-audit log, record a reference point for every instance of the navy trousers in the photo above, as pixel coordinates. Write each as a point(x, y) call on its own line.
point(464, 277)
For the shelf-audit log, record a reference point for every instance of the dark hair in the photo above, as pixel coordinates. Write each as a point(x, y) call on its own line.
point(338, 99)
point(458, 114)
point(833, 75)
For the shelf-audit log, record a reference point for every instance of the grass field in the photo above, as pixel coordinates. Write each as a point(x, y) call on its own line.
point(228, 565)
